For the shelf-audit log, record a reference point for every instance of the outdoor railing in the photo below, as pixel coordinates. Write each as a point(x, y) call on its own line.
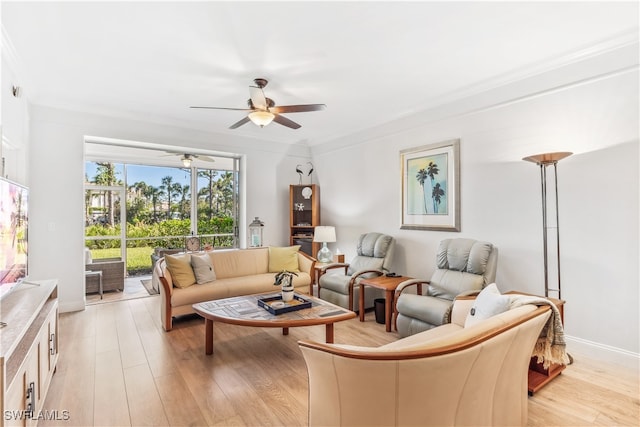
point(140, 249)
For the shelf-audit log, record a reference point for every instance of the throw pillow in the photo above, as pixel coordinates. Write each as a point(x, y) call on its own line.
point(283, 259)
point(489, 302)
point(180, 268)
point(203, 268)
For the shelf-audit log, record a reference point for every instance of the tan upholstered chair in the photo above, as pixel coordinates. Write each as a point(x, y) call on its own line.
point(374, 255)
point(447, 376)
point(463, 266)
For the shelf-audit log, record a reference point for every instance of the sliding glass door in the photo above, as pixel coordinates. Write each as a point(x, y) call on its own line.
point(132, 211)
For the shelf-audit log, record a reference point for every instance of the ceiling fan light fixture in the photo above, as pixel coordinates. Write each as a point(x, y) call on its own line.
point(186, 161)
point(261, 118)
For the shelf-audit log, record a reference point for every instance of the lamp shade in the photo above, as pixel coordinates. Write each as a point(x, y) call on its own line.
point(324, 234)
point(261, 118)
point(547, 158)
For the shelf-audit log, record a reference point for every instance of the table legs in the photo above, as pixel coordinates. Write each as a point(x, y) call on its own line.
point(208, 336)
point(329, 335)
point(388, 306)
point(361, 302)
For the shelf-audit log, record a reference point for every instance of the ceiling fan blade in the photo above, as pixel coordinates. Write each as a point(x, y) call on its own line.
point(286, 122)
point(257, 98)
point(205, 158)
point(177, 153)
point(224, 108)
point(297, 108)
point(239, 123)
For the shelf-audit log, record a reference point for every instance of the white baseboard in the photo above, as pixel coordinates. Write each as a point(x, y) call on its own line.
point(604, 352)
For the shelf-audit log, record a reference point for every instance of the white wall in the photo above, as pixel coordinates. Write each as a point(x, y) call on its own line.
point(14, 116)
point(501, 196)
point(57, 196)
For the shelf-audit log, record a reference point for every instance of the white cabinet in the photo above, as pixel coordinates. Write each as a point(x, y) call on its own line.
point(29, 346)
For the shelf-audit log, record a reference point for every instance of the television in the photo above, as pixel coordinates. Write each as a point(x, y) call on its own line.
point(14, 214)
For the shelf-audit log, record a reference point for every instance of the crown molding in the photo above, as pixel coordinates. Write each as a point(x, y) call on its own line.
point(9, 51)
point(604, 47)
point(608, 59)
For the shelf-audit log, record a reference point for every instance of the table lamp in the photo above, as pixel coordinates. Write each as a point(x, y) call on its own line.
point(324, 234)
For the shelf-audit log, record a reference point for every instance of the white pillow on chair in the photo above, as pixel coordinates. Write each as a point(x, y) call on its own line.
point(488, 303)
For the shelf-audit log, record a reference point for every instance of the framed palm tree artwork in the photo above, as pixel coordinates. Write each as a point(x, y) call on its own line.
point(431, 187)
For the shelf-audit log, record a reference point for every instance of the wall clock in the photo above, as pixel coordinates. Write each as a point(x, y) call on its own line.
point(192, 244)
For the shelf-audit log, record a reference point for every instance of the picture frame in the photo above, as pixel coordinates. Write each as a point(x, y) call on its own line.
point(430, 179)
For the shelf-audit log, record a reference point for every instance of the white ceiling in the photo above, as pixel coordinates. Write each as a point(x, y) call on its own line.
point(369, 62)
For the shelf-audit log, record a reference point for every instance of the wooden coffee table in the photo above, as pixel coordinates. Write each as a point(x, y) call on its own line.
point(389, 285)
point(244, 311)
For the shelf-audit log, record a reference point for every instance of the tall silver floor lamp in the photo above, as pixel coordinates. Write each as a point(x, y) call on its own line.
point(545, 160)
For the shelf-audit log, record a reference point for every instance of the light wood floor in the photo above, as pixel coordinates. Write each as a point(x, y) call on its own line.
point(132, 289)
point(118, 368)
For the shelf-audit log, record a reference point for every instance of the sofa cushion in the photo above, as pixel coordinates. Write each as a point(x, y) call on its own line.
point(180, 268)
point(428, 309)
point(235, 286)
point(422, 337)
point(283, 259)
point(451, 283)
point(374, 245)
point(239, 262)
point(448, 334)
point(488, 303)
point(466, 255)
point(360, 263)
point(203, 268)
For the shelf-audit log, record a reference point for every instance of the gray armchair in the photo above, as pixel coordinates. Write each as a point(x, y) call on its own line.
point(464, 266)
point(374, 255)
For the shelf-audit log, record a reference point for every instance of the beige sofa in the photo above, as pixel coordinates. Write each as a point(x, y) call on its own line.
point(237, 272)
point(448, 375)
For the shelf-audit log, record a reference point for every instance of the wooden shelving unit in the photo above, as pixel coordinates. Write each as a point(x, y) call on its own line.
point(304, 216)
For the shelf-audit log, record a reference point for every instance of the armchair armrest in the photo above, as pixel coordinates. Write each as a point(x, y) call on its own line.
point(331, 266)
point(328, 267)
point(352, 282)
point(404, 285)
point(167, 282)
point(359, 273)
point(166, 290)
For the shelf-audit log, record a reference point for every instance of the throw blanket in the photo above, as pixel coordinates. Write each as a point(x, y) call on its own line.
point(551, 346)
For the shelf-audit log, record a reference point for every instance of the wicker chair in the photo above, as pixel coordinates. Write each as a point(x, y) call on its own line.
point(112, 272)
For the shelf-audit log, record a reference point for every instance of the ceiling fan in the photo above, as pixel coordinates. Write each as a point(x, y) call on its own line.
point(263, 110)
point(187, 158)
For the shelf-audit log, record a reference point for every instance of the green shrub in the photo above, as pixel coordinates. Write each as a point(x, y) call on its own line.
point(152, 235)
